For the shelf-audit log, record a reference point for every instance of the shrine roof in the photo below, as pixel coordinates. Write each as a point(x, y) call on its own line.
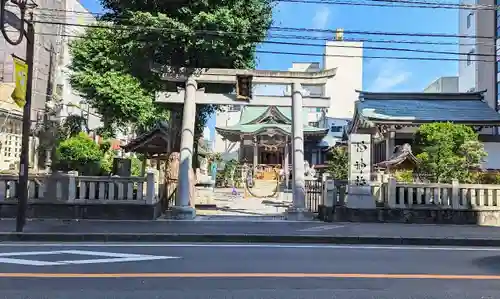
point(253, 114)
point(154, 141)
point(401, 154)
point(419, 108)
point(271, 119)
point(254, 129)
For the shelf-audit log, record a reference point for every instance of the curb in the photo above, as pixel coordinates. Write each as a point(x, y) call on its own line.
point(241, 238)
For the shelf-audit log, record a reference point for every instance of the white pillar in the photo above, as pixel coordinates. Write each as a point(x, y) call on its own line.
point(182, 208)
point(298, 211)
point(255, 153)
point(286, 162)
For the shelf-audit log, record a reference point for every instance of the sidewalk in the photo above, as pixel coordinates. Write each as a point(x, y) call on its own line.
point(258, 231)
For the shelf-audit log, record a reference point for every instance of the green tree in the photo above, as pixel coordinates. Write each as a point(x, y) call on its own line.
point(79, 153)
point(447, 151)
point(111, 67)
point(338, 162)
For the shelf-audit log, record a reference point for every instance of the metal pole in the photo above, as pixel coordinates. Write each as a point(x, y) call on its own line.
point(24, 157)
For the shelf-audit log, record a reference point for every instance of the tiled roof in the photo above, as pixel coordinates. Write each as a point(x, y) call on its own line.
point(425, 107)
point(254, 120)
point(255, 128)
point(250, 113)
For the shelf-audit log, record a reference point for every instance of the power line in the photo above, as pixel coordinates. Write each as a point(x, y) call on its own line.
point(335, 55)
point(383, 33)
point(345, 39)
point(364, 40)
point(372, 3)
point(287, 29)
point(319, 45)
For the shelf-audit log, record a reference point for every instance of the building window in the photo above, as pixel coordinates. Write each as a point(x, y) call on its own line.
point(469, 20)
point(314, 124)
point(469, 57)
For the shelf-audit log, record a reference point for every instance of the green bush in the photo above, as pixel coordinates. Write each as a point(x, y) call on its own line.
point(405, 176)
point(79, 153)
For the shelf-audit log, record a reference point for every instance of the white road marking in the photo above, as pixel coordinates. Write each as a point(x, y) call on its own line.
point(320, 228)
point(263, 246)
point(110, 257)
point(5, 260)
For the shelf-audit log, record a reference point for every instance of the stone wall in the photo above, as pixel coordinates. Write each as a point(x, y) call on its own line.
point(428, 215)
point(53, 210)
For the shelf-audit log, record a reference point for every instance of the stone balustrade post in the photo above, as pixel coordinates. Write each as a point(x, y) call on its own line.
point(330, 200)
point(72, 175)
point(391, 192)
point(150, 187)
point(455, 195)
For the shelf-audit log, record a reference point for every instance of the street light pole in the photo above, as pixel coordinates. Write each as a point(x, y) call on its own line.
point(29, 34)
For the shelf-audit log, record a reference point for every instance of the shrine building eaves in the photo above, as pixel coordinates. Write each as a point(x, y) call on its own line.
point(420, 108)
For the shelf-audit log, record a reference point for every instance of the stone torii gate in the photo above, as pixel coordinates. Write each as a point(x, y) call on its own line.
point(191, 95)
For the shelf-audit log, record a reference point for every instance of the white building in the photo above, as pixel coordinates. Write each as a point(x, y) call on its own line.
point(228, 116)
point(477, 75)
point(347, 58)
point(481, 75)
point(72, 102)
point(443, 84)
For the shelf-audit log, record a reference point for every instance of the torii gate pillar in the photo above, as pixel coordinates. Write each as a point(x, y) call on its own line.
point(182, 208)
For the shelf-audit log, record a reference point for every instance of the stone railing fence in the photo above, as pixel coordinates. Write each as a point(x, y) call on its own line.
point(388, 193)
point(454, 196)
point(72, 188)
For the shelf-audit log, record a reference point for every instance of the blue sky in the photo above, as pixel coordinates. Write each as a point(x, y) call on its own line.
point(378, 74)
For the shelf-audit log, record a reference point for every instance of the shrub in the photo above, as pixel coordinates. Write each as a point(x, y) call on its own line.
point(79, 153)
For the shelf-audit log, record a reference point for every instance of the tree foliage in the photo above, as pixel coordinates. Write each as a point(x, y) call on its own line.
point(448, 151)
point(111, 66)
point(338, 163)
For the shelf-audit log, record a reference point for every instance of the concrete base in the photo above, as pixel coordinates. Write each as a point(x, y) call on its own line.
point(299, 214)
point(424, 215)
point(63, 210)
point(182, 213)
point(360, 201)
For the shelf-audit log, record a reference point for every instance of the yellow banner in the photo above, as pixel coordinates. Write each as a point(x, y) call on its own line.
point(21, 74)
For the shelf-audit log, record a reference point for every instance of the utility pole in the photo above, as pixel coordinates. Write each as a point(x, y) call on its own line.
point(29, 33)
point(25, 141)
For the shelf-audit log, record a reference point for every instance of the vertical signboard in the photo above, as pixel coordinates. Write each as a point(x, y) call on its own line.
point(360, 166)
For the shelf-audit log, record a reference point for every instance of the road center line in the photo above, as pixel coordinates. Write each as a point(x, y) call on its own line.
point(251, 275)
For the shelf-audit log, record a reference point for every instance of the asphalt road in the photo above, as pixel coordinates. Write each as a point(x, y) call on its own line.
point(244, 271)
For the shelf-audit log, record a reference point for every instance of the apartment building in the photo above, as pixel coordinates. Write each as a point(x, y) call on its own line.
point(443, 84)
point(478, 68)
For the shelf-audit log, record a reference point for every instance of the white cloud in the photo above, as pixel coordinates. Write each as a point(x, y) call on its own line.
point(321, 17)
point(390, 75)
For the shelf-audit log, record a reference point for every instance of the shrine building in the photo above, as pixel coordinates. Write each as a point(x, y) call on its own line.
point(263, 135)
point(393, 117)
